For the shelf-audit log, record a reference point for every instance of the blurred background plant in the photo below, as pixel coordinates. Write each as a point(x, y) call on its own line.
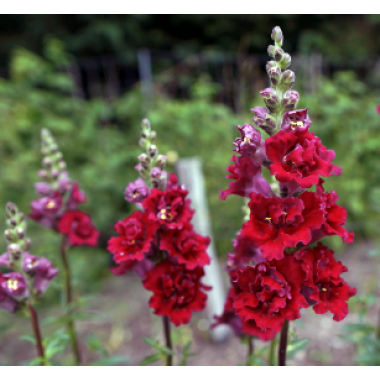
point(90, 79)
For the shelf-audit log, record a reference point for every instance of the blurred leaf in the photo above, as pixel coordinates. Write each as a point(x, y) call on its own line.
point(295, 346)
point(112, 360)
point(151, 359)
point(150, 341)
point(28, 338)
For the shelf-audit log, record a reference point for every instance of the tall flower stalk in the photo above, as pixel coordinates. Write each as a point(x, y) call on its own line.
point(30, 276)
point(159, 243)
point(275, 268)
point(57, 210)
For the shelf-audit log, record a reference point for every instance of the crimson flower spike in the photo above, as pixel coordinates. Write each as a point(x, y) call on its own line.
point(159, 243)
point(275, 270)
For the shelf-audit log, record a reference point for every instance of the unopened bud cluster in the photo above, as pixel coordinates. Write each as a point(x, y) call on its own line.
point(279, 98)
point(54, 167)
point(29, 276)
point(15, 234)
point(151, 164)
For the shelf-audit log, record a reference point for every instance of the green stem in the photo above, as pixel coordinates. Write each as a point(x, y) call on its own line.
point(37, 333)
point(70, 323)
point(166, 323)
point(283, 344)
point(272, 351)
point(251, 348)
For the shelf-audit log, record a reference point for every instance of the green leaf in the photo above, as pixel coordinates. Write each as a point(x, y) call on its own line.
point(36, 361)
point(28, 338)
point(112, 360)
point(150, 341)
point(296, 346)
point(166, 350)
point(151, 359)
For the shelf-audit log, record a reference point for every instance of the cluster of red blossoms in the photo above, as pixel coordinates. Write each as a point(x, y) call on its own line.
point(274, 270)
point(159, 243)
point(58, 208)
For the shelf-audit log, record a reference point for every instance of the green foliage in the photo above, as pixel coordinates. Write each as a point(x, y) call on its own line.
point(161, 352)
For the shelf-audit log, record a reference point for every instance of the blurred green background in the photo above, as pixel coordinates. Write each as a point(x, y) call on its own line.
point(90, 79)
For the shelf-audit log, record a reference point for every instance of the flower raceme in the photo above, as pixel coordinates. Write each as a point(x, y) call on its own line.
point(274, 271)
point(159, 242)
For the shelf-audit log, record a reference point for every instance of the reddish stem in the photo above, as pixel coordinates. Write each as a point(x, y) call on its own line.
point(37, 333)
point(283, 344)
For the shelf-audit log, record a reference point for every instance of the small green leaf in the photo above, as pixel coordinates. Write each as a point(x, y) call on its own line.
point(166, 350)
point(151, 359)
point(28, 338)
point(296, 346)
point(150, 341)
point(112, 360)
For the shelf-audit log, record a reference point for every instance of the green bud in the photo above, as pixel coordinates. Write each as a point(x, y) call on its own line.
point(285, 61)
point(277, 36)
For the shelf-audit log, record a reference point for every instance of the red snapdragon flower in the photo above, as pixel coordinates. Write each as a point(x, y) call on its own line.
point(329, 291)
point(299, 155)
point(270, 292)
point(137, 233)
point(176, 291)
point(276, 223)
point(247, 173)
point(188, 247)
point(78, 226)
point(169, 208)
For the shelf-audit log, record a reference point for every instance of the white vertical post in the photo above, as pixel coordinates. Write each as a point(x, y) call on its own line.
point(190, 174)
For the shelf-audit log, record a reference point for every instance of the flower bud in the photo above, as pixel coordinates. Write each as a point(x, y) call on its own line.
point(287, 80)
point(264, 120)
point(15, 251)
point(290, 100)
point(152, 135)
point(11, 208)
point(20, 232)
point(55, 173)
point(43, 174)
point(155, 176)
point(145, 124)
point(144, 135)
point(285, 61)
point(161, 162)
point(59, 156)
point(278, 54)
point(144, 160)
point(47, 162)
point(152, 151)
point(27, 244)
point(277, 35)
point(10, 236)
point(275, 75)
point(270, 98)
point(142, 143)
point(269, 65)
point(271, 50)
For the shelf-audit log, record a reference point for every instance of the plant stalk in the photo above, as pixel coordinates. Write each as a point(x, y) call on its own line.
point(272, 351)
point(37, 333)
point(166, 323)
point(251, 348)
point(283, 344)
point(69, 299)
